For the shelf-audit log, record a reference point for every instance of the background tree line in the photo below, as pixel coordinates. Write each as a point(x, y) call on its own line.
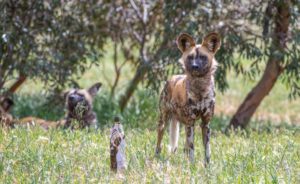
point(56, 41)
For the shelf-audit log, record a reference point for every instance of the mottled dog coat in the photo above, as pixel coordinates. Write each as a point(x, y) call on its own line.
point(79, 107)
point(117, 147)
point(190, 97)
point(6, 118)
point(79, 104)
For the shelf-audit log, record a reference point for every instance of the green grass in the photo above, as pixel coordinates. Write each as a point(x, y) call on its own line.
point(264, 153)
point(276, 107)
point(267, 152)
point(36, 156)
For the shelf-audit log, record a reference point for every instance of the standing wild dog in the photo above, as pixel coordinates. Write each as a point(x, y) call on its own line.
point(190, 97)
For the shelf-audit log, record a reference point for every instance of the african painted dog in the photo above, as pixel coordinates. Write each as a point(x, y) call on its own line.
point(190, 97)
point(6, 118)
point(79, 106)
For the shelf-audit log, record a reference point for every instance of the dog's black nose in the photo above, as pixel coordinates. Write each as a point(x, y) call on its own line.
point(195, 67)
point(72, 97)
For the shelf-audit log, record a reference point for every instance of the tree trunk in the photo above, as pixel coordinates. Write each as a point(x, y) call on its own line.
point(139, 75)
point(256, 95)
point(272, 71)
point(17, 84)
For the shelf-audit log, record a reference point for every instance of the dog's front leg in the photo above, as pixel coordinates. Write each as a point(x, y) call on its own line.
point(189, 144)
point(205, 138)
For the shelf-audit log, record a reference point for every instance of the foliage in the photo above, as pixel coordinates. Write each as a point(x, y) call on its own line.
point(37, 105)
point(246, 29)
point(50, 40)
point(141, 112)
point(146, 40)
point(57, 40)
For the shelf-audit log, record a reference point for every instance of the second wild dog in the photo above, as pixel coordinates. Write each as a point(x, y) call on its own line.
point(79, 111)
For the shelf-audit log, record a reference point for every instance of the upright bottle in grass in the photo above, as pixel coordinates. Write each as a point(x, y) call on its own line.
point(117, 147)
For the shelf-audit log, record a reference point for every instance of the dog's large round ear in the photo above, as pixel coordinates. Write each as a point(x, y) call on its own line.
point(93, 90)
point(185, 41)
point(212, 42)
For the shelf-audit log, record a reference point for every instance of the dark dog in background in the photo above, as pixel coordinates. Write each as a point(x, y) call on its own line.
point(79, 111)
point(79, 104)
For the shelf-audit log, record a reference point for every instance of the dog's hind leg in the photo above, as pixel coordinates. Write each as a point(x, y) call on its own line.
point(174, 135)
point(163, 119)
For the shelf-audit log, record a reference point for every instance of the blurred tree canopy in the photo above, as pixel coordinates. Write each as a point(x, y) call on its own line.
point(265, 33)
point(52, 40)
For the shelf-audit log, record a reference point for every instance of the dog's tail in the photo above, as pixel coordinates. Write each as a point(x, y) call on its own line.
point(174, 135)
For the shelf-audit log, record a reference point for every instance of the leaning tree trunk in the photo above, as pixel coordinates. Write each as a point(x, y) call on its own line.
point(139, 75)
point(17, 84)
point(272, 71)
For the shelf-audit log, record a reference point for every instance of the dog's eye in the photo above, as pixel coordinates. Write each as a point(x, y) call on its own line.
point(202, 57)
point(190, 57)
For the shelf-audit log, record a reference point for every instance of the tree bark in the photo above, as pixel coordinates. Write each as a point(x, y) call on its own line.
point(17, 84)
point(138, 77)
point(272, 71)
point(117, 70)
point(140, 73)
